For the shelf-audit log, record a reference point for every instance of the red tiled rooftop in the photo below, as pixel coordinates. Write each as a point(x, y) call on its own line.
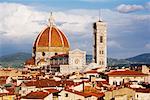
point(36, 95)
point(79, 93)
point(101, 94)
point(30, 61)
point(100, 83)
point(60, 55)
point(42, 83)
point(11, 90)
point(52, 90)
point(49, 83)
point(142, 90)
point(3, 77)
point(51, 36)
point(125, 72)
point(2, 82)
point(91, 71)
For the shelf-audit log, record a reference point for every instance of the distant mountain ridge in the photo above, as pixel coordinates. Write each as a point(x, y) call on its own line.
point(142, 58)
point(15, 60)
point(18, 59)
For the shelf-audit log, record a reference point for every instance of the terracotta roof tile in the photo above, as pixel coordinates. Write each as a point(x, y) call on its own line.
point(52, 90)
point(3, 77)
point(36, 95)
point(2, 82)
point(91, 71)
point(51, 36)
point(125, 72)
point(79, 93)
point(30, 61)
point(101, 94)
point(50, 83)
point(142, 90)
point(60, 55)
point(42, 83)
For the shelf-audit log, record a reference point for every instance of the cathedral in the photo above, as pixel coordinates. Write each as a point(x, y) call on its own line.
point(51, 51)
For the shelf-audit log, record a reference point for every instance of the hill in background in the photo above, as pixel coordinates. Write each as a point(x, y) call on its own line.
point(14, 60)
point(18, 59)
point(142, 59)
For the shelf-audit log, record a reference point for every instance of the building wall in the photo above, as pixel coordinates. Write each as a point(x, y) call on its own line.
point(71, 96)
point(94, 98)
point(77, 60)
point(47, 55)
point(100, 44)
point(119, 79)
point(25, 90)
point(92, 74)
point(8, 97)
point(49, 97)
point(121, 97)
point(146, 70)
point(77, 57)
point(79, 87)
point(10, 72)
point(142, 96)
point(120, 92)
point(64, 69)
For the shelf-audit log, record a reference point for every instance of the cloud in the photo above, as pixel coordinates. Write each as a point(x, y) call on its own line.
point(114, 44)
point(123, 8)
point(74, 23)
point(147, 5)
point(20, 24)
point(147, 45)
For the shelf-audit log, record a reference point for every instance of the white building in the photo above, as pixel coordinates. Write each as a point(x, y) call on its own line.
point(74, 95)
point(142, 94)
point(117, 77)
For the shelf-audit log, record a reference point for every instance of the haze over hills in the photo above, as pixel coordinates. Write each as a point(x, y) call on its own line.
point(15, 60)
point(18, 59)
point(142, 58)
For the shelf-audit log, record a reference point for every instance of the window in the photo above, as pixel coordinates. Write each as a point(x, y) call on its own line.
point(100, 52)
point(102, 62)
point(113, 83)
point(43, 53)
point(120, 83)
point(101, 39)
point(66, 94)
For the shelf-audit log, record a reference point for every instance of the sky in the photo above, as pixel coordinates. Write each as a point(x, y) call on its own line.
point(128, 24)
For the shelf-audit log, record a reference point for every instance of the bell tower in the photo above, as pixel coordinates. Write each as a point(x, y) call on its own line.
point(100, 43)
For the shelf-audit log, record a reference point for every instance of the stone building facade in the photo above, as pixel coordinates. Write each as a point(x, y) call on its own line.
point(100, 43)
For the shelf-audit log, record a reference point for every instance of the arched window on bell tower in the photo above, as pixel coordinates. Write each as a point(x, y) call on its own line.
point(101, 39)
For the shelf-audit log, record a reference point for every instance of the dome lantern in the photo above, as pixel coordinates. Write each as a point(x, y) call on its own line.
point(51, 19)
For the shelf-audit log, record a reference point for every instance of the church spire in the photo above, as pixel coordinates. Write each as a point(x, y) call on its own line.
point(99, 17)
point(51, 19)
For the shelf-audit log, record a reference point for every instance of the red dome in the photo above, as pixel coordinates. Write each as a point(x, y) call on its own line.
point(51, 36)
